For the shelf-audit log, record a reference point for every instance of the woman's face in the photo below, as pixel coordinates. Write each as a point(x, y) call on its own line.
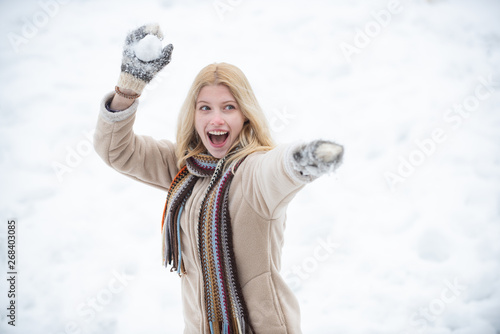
point(218, 119)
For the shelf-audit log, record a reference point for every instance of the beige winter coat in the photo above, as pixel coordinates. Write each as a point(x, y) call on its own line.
point(261, 189)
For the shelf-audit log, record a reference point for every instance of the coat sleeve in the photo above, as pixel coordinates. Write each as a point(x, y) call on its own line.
point(270, 182)
point(140, 157)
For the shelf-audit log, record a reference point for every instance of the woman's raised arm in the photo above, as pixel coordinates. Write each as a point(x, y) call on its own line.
point(140, 157)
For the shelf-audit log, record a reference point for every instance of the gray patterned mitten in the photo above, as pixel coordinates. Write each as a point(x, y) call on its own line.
point(317, 158)
point(136, 73)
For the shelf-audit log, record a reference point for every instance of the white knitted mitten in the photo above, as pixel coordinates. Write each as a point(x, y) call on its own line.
point(136, 73)
point(317, 158)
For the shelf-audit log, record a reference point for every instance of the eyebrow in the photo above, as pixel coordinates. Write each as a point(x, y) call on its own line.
point(197, 102)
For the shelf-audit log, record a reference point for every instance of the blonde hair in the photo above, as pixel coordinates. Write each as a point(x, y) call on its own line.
point(254, 136)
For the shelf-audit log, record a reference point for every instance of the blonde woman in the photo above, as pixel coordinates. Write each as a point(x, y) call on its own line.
point(228, 187)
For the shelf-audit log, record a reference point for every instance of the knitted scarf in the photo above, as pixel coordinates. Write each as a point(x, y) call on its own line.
point(225, 307)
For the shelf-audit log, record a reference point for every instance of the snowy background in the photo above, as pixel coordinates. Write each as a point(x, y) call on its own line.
point(404, 238)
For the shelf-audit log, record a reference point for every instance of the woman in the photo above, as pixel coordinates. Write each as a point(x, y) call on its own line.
point(228, 189)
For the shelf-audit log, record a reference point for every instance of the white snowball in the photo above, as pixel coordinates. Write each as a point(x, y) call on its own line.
point(148, 48)
point(327, 152)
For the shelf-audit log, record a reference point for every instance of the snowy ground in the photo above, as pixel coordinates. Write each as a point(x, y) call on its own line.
point(403, 239)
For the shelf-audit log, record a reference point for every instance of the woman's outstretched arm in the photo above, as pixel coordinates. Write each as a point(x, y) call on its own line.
point(316, 158)
point(273, 178)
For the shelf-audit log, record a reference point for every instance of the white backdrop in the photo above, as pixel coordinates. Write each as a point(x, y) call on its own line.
point(404, 238)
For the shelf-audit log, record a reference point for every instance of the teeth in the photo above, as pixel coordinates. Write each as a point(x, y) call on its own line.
point(217, 133)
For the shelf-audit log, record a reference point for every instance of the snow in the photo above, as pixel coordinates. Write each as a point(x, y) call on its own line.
point(148, 48)
point(403, 238)
point(328, 152)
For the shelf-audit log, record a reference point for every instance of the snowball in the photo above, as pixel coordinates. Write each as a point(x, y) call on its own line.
point(148, 48)
point(328, 152)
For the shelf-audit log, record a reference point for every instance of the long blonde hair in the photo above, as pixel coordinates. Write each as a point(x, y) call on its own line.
point(254, 136)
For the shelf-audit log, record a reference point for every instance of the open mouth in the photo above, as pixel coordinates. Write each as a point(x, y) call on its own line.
point(218, 138)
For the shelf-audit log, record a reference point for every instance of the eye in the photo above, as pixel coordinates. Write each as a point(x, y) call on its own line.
point(205, 108)
point(229, 107)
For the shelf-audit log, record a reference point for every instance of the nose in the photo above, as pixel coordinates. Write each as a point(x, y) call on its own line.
point(217, 119)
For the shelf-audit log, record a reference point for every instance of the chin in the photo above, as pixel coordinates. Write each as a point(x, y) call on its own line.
point(218, 154)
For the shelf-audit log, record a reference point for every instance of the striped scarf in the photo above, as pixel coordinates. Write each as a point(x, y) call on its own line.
point(225, 307)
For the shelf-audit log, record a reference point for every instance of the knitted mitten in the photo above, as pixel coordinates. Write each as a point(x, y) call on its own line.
point(317, 158)
point(135, 73)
